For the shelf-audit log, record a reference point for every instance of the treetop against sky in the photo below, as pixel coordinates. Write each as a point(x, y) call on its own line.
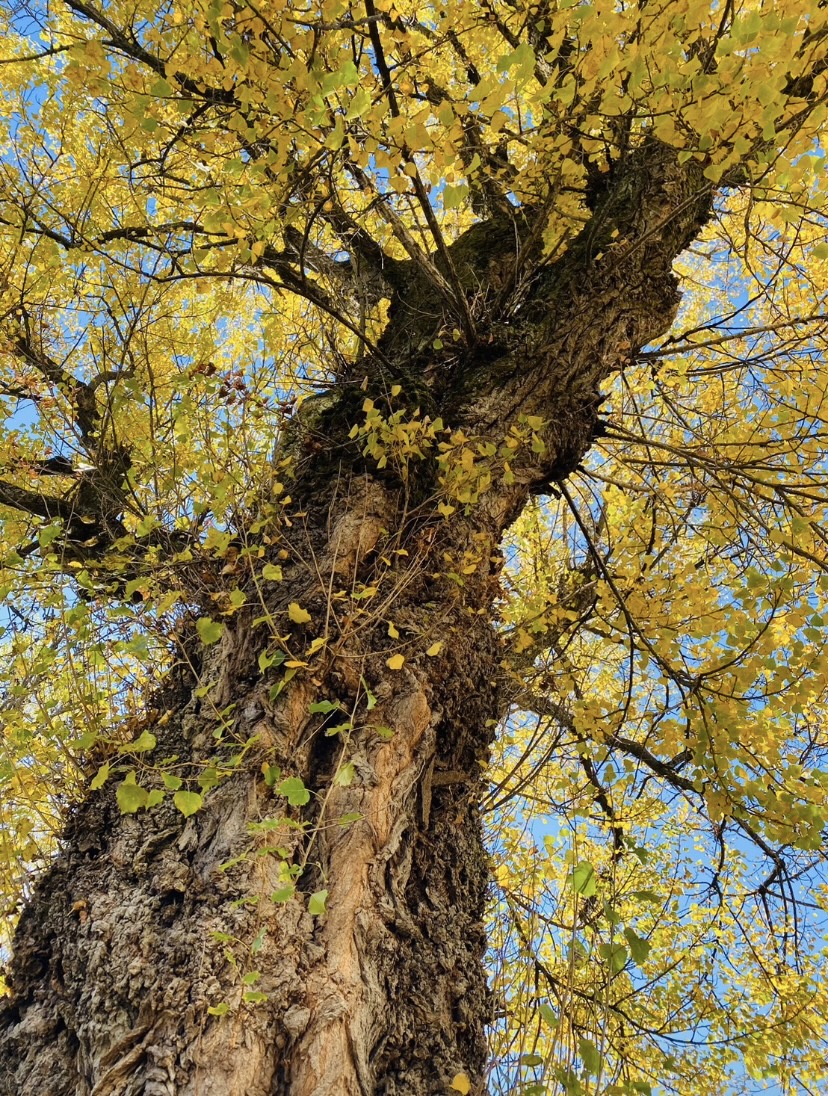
point(238, 239)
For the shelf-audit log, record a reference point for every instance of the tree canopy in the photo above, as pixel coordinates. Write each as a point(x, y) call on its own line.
point(206, 211)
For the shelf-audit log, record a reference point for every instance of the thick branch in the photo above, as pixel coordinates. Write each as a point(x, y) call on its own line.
point(34, 504)
point(81, 395)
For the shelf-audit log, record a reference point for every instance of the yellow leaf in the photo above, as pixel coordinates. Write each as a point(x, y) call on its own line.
point(435, 649)
point(392, 630)
point(461, 1083)
point(395, 662)
point(297, 614)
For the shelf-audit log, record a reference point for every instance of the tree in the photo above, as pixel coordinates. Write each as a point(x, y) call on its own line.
point(305, 308)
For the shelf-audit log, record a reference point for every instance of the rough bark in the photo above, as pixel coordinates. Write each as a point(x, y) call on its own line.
point(146, 920)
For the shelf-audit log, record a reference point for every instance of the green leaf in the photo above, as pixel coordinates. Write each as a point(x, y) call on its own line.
point(100, 777)
point(323, 707)
point(646, 896)
point(639, 948)
point(271, 774)
point(454, 196)
point(358, 105)
point(131, 797)
point(616, 956)
point(345, 777)
point(272, 572)
point(345, 77)
point(522, 56)
point(338, 728)
point(240, 53)
point(283, 894)
point(209, 631)
point(208, 778)
point(47, 534)
point(145, 742)
point(583, 879)
point(612, 915)
point(294, 791)
point(133, 587)
point(590, 1056)
point(267, 660)
point(316, 902)
point(171, 782)
point(531, 1060)
point(188, 802)
point(370, 699)
point(219, 1010)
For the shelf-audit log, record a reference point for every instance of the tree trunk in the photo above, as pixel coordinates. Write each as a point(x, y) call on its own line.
point(145, 921)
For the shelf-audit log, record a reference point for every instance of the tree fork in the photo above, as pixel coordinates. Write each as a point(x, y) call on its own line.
point(145, 922)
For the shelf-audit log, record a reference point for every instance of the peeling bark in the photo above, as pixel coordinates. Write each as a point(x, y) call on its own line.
point(145, 921)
